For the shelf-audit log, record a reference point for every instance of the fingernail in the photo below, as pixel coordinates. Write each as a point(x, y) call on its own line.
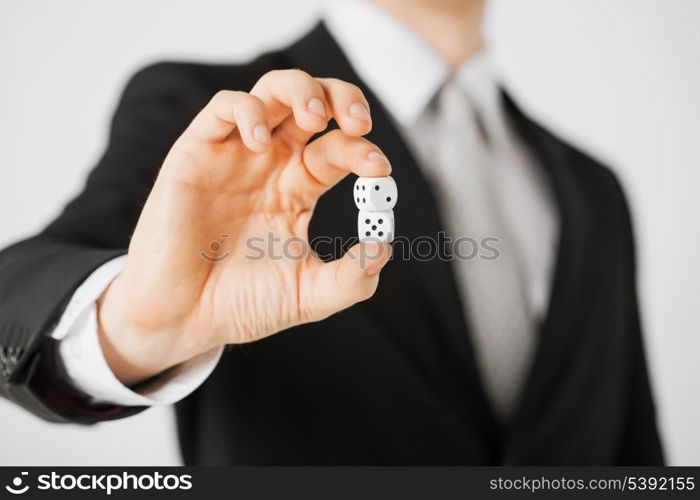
point(316, 106)
point(262, 134)
point(376, 155)
point(360, 111)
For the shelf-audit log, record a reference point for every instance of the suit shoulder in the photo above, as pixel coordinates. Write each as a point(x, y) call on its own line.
point(589, 172)
point(160, 74)
point(600, 188)
point(597, 185)
point(186, 78)
point(598, 175)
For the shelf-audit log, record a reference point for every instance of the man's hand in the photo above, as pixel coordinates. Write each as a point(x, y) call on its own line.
point(243, 168)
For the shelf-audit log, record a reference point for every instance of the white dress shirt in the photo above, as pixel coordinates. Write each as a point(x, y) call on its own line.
point(85, 365)
point(405, 73)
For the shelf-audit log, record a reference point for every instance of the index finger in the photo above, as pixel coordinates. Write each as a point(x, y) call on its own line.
point(331, 157)
point(292, 91)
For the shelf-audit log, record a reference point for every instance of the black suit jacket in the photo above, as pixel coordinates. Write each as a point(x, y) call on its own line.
point(389, 381)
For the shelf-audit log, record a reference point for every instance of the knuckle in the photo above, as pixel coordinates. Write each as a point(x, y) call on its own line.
point(222, 95)
point(330, 82)
point(256, 101)
point(303, 82)
point(242, 103)
point(353, 88)
point(289, 75)
point(267, 79)
point(270, 74)
point(298, 74)
point(292, 82)
point(362, 146)
point(344, 86)
point(252, 103)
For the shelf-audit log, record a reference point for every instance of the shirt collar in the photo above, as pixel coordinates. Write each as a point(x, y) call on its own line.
point(403, 70)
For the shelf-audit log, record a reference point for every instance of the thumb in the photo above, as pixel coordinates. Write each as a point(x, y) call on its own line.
point(344, 282)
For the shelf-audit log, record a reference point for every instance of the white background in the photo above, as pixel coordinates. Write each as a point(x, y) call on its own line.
point(619, 78)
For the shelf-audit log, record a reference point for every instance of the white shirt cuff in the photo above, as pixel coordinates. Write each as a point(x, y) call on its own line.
point(86, 368)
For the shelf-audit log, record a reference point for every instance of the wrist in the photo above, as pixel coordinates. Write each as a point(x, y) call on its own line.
point(137, 346)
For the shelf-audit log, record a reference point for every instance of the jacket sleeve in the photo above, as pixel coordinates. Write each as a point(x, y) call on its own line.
point(641, 442)
point(39, 275)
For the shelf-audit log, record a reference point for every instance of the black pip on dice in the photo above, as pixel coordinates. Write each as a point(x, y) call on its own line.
point(376, 198)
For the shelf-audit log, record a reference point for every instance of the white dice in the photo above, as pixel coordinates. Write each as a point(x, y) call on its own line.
point(375, 226)
point(375, 193)
point(375, 197)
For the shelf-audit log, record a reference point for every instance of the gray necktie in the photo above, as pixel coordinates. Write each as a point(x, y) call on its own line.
point(492, 288)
